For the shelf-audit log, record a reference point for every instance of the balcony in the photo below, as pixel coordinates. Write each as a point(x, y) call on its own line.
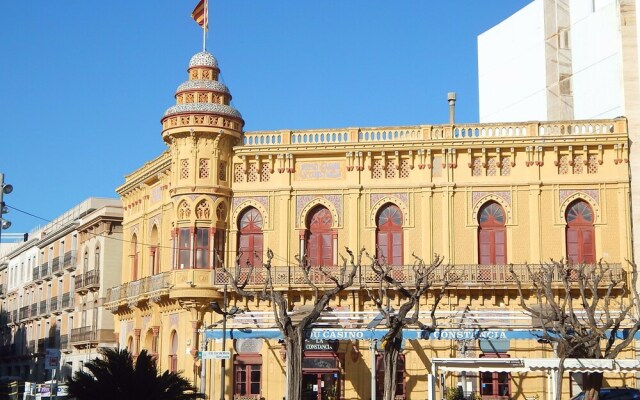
point(64, 344)
point(34, 310)
point(36, 274)
point(206, 283)
point(67, 302)
point(55, 306)
point(83, 334)
point(13, 317)
point(24, 313)
point(69, 261)
point(45, 272)
point(88, 282)
point(145, 289)
point(31, 347)
point(56, 267)
point(3, 292)
point(44, 309)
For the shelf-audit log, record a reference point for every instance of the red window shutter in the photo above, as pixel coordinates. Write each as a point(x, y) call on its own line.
point(588, 251)
point(312, 249)
point(484, 247)
point(327, 249)
point(573, 245)
point(383, 246)
point(256, 254)
point(396, 248)
point(500, 247)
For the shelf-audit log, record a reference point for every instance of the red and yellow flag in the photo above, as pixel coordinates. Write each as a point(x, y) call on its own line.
point(199, 14)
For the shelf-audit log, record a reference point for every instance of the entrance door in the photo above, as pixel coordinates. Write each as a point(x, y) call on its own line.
point(320, 386)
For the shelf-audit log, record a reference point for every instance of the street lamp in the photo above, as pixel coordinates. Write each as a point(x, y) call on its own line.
point(5, 188)
point(225, 312)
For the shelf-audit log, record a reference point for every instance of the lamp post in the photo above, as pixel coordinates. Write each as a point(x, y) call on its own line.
point(225, 314)
point(5, 188)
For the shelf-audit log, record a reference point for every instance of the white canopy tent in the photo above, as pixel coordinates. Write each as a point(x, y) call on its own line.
point(441, 366)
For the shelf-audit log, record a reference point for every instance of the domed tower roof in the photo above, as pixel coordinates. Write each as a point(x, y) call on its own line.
point(202, 101)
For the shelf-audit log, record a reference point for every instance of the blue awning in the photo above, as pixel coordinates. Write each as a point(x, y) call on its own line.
point(377, 334)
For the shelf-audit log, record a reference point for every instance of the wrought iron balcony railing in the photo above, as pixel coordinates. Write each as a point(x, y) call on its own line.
point(56, 267)
point(84, 334)
point(461, 275)
point(67, 302)
point(70, 260)
point(87, 281)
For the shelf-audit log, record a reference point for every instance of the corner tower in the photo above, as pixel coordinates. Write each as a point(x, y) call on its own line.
point(201, 130)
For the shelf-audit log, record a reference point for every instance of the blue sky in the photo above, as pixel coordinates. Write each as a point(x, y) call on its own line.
point(84, 83)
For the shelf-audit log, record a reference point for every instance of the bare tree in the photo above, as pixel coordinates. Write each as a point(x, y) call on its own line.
point(410, 289)
point(584, 311)
point(294, 330)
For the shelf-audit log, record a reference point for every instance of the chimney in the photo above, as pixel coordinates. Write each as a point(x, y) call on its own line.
point(451, 97)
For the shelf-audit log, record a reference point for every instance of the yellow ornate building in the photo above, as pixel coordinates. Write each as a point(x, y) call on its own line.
point(483, 196)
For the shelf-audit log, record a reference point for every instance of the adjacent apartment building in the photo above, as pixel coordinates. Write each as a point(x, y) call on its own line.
point(482, 195)
point(565, 60)
point(52, 289)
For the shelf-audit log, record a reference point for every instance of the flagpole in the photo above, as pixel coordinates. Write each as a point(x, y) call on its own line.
point(205, 25)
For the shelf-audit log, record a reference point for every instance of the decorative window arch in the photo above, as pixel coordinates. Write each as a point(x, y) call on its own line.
point(250, 237)
point(134, 257)
point(85, 263)
point(184, 211)
point(173, 352)
point(492, 234)
point(580, 232)
point(96, 263)
point(203, 210)
point(389, 235)
point(319, 237)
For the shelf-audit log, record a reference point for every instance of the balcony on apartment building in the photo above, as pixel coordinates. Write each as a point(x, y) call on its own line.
point(67, 302)
point(56, 267)
point(88, 282)
point(206, 283)
point(25, 313)
point(45, 272)
point(31, 347)
point(33, 313)
point(90, 336)
point(55, 305)
point(3, 291)
point(69, 261)
point(36, 274)
point(65, 344)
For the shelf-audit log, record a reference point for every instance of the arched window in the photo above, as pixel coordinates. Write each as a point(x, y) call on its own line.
point(134, 258)
point(319, 244)
point(173, 353)
point(250, 237)
point(580, 233)
point(492, 235)
point(85, 264)
point(96, 264)
point(389, 239)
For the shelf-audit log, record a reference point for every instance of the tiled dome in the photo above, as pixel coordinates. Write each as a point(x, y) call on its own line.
point(203, 59)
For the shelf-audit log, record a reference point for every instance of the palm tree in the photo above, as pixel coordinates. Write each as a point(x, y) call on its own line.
point(116, 376)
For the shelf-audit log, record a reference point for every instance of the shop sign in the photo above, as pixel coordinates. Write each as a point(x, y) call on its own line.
point(319, 345)
point(470, 334)
point(337, 334)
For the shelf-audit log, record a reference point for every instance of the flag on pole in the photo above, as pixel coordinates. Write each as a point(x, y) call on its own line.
point(199, 14)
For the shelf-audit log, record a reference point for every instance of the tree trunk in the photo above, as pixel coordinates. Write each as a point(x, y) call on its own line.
point(592, 383)
point(390, 363)
point(295, 351)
